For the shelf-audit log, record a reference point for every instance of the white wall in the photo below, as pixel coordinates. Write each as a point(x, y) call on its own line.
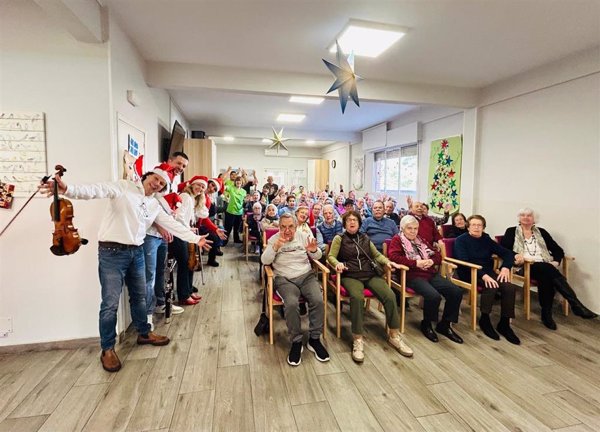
point(542, 150)
point(80, 87)
point(253, 157)
point(44, 69)
point(127, 73)
point(340, 175)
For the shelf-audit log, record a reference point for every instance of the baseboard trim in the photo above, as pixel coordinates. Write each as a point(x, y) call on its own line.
point(47, 346)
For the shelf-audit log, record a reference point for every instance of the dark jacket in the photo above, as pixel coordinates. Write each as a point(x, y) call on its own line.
point(555, 250)
point(344, 250)
point(479, 250)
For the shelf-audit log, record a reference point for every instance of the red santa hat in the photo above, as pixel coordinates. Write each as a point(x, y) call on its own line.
point(139, 165)
point(218, 184)
point(165, 171)
point(174, 200)
point(193, 180)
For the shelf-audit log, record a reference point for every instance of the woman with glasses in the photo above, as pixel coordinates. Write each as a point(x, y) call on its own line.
point(477, 247)
point(352, 253)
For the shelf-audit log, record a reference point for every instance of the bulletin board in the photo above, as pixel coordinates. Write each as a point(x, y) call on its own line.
point(22, 151)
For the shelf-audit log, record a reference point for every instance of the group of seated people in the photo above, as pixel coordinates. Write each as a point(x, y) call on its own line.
point(351, 238)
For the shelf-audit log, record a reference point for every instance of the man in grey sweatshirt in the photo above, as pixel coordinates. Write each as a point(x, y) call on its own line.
point(288, 253)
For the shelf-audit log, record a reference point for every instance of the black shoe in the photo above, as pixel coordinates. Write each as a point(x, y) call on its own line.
point(581, 311)
point(486, 326)
point(194, 289)
point(428, 331)
point(315, 345)
point(505, 330)
point(219, 252)
point(212, 263)
point(446, 330)
point(303, 309)
point(295, 355)
point(547, 319)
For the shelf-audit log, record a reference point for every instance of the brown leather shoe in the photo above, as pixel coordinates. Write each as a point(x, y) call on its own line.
point(152, 339)
point(110, 361)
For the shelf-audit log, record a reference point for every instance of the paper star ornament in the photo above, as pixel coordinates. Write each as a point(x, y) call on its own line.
point(278, 140)
point(345, 78)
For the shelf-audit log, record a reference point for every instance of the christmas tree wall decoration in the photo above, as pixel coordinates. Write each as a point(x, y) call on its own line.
point(444, 175)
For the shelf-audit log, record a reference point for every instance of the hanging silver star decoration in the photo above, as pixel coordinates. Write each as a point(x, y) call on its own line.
point(278, 140)
point(345, 78)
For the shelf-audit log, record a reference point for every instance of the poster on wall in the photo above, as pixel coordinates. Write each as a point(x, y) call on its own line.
point(445, 162)
point(358, 173)
point(22, 151)
point(131, 143)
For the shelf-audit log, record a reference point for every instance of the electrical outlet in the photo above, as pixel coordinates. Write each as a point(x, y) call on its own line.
point(5, 326)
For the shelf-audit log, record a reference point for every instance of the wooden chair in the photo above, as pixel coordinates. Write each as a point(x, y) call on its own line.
point(445, 230)
point(471, 287)
point(334, 283)
point(524, 278)
point(406, 292)
point(247, 238)
point(273, 298)
point(266, 235)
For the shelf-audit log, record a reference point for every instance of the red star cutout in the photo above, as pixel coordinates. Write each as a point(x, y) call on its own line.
point(451, 173)
point(440, 205)
point(444, 144)
point(434, 186)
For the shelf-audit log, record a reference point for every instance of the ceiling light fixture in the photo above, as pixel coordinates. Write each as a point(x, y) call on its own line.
point(307, 100)
point(290, 118)
point(228, 138)
point(366, 38)
point(310, 141)
point(266, 141)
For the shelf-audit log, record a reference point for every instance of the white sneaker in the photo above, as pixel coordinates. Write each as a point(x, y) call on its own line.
point(358, 351)
point(150, 321)
point(400, 346)
point(175, 310)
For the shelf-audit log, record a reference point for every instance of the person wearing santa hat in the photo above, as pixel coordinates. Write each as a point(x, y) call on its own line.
point(190, 195)
point(157, 240)
point(131, 210)
point(205, 225)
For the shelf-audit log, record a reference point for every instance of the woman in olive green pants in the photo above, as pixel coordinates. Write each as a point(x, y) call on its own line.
point(352, 253)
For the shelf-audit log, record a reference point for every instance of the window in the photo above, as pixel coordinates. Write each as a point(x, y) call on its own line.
point(395, 171)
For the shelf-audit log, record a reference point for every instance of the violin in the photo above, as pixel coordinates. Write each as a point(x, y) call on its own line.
point(194, 263)
point(65, 238)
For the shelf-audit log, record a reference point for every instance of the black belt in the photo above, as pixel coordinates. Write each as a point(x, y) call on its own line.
point(115, 245)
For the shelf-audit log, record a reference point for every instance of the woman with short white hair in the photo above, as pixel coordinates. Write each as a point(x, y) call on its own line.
point(531, 243)
point(423, 260)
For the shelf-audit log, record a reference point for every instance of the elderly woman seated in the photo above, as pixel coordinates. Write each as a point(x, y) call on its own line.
point(458, 227)
point(353, 254)
point(423, 259)
point(532, 243)
point(477, 247)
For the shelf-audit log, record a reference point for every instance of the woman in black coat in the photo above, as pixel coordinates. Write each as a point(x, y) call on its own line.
point(537, 246)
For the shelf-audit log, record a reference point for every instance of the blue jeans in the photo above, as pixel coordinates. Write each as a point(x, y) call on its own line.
point(155, 251)
point(115, 267)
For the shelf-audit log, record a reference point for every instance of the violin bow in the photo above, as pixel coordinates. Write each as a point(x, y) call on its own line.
point(44, 180)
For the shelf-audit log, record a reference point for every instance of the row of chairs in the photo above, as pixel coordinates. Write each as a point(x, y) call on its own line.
point(331, 280)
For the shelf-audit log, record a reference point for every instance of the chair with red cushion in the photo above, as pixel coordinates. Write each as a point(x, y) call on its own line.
point(334, 282)
point(524, 277)
point(472, 287)
point(446, 230)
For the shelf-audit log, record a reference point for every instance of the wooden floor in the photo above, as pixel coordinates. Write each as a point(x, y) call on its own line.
point(217, 375)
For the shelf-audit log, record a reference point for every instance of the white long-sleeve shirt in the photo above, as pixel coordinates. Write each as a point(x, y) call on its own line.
point(291, 260)
point(185, 212)
point(129, 213)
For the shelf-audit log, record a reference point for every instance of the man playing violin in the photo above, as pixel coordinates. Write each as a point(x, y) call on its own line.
point(132, 209)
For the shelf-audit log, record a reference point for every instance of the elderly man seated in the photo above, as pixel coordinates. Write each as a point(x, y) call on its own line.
point(288, 253)
point(379, 228)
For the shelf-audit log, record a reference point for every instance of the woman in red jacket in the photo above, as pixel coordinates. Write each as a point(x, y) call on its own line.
point(422, 259)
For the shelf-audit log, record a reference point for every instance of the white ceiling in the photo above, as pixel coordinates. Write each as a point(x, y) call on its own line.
point(455, 43)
